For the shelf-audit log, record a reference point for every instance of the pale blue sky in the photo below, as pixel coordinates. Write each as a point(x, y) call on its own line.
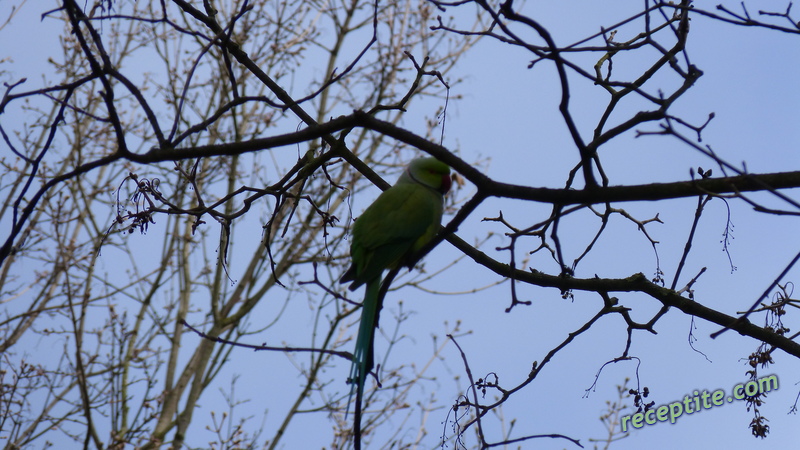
point(509, 114)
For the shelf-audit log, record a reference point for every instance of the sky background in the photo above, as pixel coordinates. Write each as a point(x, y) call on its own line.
point(508, 118)
point(750, 84)
point(755, 122)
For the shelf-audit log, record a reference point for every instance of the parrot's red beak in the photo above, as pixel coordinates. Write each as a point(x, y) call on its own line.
point(447, 182)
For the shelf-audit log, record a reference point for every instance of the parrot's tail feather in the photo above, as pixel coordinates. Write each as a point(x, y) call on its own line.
point(362, 356)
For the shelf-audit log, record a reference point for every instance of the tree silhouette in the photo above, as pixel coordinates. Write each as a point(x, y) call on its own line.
point(181, 181)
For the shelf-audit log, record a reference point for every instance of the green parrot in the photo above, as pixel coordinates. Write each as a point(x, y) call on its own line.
point(396, 225)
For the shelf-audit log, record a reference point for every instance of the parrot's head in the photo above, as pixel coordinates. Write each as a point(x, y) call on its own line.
point(430, 172)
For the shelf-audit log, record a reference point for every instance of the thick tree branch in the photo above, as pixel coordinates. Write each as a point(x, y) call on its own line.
point(487, 187)
point(635, 283)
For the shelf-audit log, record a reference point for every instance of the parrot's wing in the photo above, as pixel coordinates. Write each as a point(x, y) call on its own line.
point(402, 219)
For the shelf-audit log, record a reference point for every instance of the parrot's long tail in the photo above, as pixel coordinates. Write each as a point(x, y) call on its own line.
point(362, 356)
